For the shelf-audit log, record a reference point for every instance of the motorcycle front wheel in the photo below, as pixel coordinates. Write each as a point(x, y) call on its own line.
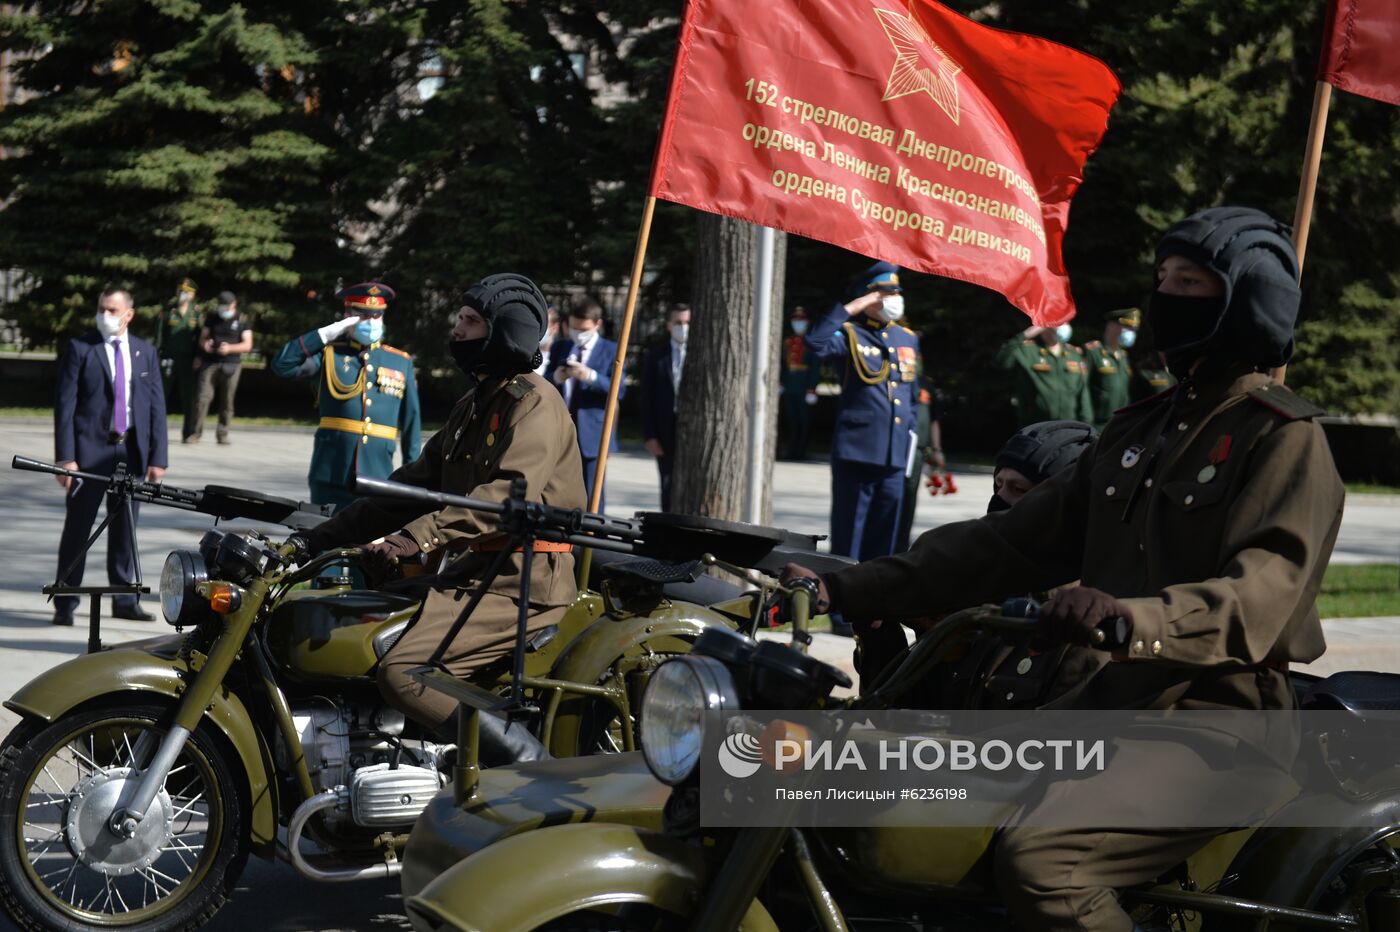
point(62, 866)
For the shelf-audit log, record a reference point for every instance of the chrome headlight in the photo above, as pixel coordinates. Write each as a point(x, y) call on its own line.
point(674, 711)
point(184, 569)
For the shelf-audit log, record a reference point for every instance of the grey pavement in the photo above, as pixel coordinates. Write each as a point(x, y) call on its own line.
point(273, 460)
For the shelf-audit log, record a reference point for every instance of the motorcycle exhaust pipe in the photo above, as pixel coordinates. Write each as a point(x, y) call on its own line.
point(292, 850)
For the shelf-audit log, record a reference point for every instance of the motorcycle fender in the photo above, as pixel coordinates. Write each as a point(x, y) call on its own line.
point(593, 866)
point(146, 672)
point(1291, 866)
point(588, 657)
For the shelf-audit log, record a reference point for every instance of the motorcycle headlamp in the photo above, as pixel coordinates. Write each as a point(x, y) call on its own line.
point(679, 700)
point(184, 570)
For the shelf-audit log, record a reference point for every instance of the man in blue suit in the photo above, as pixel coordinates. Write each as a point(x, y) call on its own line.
point(581, 368)
point(110, 410)
point(878, 361)
point(661, 380)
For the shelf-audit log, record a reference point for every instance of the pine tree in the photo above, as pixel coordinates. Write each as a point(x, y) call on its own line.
point(164, 138)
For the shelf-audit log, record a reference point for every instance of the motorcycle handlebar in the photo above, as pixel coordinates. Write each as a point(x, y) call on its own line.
point(1111, 634)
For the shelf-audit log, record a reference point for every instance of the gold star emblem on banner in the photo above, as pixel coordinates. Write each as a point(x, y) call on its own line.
point(919, 64)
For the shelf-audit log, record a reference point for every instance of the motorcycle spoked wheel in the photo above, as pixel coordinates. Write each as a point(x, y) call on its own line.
point(600, 730)
point(60, 866)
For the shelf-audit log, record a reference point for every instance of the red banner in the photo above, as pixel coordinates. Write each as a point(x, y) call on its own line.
point(1361, 48)
point(902, 131)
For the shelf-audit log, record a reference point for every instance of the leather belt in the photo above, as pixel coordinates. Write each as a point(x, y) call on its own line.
point(499, 543)
point(365, 428)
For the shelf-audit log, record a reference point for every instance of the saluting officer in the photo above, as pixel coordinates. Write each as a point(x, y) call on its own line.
point(367, 394)
point(874, 438)
point(1109, 368)
point(177, 333)
point(1049, 372)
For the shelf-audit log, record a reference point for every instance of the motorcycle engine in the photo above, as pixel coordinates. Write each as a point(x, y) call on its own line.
point(352, 747)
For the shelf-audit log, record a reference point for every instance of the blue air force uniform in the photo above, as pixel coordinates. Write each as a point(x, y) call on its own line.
point(870, 448)
point(366, 394)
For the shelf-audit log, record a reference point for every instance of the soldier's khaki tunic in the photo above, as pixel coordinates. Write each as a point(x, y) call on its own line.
point(501, 430)
point(1211, 511)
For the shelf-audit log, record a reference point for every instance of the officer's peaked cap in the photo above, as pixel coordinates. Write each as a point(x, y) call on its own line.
point(1127, 316)
point(881, 275)
point(366, 296)
point(516, 316)
point(1039, 451)
point(1254, 255)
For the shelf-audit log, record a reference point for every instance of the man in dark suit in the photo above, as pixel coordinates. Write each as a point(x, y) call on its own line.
point(581, 368)
point(110, 409)
point(661, 381)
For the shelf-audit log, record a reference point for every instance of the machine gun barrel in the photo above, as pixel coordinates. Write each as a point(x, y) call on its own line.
point(570, 525)
point(218, 501)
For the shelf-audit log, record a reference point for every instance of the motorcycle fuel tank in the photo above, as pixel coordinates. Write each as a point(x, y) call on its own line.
point(330, 634)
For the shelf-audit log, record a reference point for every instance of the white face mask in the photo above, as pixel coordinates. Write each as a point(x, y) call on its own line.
point(799, 327)
point(892, 307)
point(585, 338)
point(226, 311)
point(679, 333)
point(1127, 338)
point(109, 325)
point(1064, 332)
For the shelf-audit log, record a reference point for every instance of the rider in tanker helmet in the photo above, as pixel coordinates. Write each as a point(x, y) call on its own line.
point(511, 423)
point(1205, 516)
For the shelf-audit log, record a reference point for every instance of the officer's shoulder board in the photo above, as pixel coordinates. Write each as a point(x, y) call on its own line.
point(906, 329)
point(1147, 402)
point(395, 350)
point(519, 387)
point(1280, 400)
point(1092, 345)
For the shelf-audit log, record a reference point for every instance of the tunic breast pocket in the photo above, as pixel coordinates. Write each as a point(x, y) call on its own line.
point(1188, 496)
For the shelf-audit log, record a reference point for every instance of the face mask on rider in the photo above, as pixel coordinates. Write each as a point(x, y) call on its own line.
point(997, 504)
point(892, 308)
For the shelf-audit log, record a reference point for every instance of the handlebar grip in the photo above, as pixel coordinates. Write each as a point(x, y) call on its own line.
point(1112, 634)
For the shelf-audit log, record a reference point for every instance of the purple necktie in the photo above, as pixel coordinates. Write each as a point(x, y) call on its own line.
point(119, 389)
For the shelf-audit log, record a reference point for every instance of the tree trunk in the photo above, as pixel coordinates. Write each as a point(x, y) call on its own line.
point(715, 409)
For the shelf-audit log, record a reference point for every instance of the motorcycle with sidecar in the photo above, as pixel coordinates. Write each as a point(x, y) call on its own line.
point(629, 854)
point(141, 776)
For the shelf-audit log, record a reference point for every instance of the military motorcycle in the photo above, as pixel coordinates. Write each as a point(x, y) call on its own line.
point(141, 776)
point(637, 857)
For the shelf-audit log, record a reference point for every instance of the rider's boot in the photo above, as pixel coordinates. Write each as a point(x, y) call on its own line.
point(498, 742)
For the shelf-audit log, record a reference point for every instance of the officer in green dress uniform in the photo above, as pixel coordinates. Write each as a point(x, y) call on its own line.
point(1150, 376)
point(801, 373)
point(1109, 368)
point(366, 394)
point(1050, 381)
point(177, 333)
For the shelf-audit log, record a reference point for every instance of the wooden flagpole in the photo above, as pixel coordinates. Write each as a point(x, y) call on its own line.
point(1307, 185)
point(595, 495)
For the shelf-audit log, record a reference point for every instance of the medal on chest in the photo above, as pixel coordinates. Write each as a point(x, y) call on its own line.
point(1218, 454)
point(1131, 456)
point(390, 381)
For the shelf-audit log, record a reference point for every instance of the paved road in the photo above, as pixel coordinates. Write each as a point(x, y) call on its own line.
point(272, 897)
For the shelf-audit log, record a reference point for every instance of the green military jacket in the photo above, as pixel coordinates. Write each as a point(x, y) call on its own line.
point(1047, 387)
point(500, 430)
point(177, 335)
point(1211, 511)
point(1110, 373)
point(367, 398)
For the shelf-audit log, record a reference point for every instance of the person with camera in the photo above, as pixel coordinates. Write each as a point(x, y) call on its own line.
point(223, 340)
point(1204, 516)
point(510, 424)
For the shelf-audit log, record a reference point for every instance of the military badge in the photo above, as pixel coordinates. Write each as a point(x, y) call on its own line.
point(1218, 454)
point(1131, 456)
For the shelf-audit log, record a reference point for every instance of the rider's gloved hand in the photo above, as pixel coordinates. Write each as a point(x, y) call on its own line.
point(303, 549)
point(381, 553)
point(1070, 616)
point(822, 604)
